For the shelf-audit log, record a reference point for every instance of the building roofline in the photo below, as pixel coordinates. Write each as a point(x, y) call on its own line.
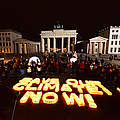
point(10, 30)
point(99, 37)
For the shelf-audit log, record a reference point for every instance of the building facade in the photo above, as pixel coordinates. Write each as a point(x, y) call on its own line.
point(7, 40)
point(24, 46)
point(12, 42)
point(97, 45)
point(114, 40)
point(58, 40)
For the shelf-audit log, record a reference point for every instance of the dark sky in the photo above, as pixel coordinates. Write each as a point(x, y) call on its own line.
point(31, 16)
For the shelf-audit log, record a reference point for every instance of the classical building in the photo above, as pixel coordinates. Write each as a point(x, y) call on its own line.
point(12, 42)
point(7, 40)
point(114, 40)
point(24, 46)
point(58, 40)
point(98, 45)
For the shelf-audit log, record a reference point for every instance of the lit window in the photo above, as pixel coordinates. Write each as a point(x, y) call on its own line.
point(111, 49)
point(115, 49)
point(118, 49)
point(115, 42)
point(111, 42)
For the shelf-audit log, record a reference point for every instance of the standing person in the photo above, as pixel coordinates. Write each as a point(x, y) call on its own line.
point(82, 67)
point(102, 61)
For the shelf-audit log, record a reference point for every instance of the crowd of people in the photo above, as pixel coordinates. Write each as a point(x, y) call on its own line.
point(60, 63)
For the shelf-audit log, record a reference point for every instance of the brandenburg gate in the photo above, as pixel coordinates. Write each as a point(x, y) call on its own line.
point(58, 40)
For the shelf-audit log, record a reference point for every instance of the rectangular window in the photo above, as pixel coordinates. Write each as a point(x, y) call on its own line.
point(2, 33)
point(115, 49)
point(6, 43)
point(111, 42)
point(10, 50)
point(7, 50)
point(116, 36)
point(3, 38)
point(119, 42)
point(115, 42)
point(118, 49)
point(111, 49)
point(1, 50)
point(0, 44)
point(112, 36)
point(9, 44)
point(3, 43)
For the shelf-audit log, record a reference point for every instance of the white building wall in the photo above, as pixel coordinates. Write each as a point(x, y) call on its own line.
point(114, 40)
point(6, 41)
point(57, 33)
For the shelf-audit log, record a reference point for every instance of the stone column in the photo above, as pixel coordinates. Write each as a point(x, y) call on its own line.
point(88, 48)
point(54, 45)
point(43, 45)
point(90, 51)
point(20, 48)
point(68, 44)
point(48, 44)
point(75, 40)
point(25, 48)
point(101, 44)
point(98, 48)
point(105, 47)
point(62, 44)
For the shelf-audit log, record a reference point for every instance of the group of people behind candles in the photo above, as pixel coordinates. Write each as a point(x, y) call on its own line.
point(57, 63)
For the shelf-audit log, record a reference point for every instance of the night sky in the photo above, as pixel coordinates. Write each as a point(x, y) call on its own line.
point(31, 16)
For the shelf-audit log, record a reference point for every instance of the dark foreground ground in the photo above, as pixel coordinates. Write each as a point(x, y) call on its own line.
point(108, 106)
